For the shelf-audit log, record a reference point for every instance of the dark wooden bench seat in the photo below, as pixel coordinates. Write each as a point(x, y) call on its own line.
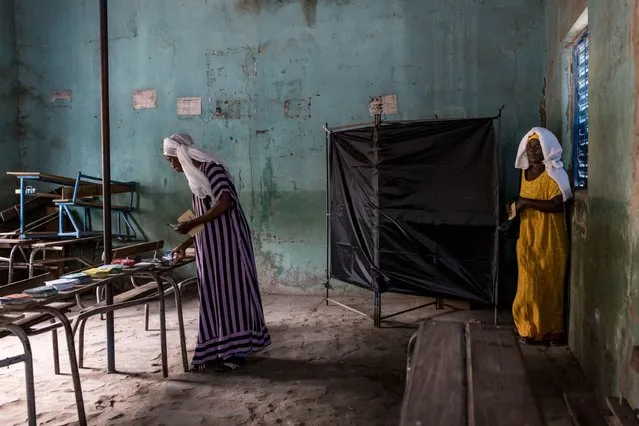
point(34, 319)
point(467, 374)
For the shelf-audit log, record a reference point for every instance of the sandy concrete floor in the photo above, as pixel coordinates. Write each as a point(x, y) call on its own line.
point(326, 366)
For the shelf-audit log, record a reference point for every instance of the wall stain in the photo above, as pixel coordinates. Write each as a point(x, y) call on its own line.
point(268, 193)
point(309, 7)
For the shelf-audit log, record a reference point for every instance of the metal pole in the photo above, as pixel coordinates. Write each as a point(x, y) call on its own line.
point(377, 305)
point(497, 243)
point(106, 172)
point(328, 212)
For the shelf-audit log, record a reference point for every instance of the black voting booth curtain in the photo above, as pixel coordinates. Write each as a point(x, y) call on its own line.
point(414, 208)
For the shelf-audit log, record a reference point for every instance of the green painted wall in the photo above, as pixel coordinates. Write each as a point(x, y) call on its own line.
point(605, 256)
point(278, 70)
point(9, 144)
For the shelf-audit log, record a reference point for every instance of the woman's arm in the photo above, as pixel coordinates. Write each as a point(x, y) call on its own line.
point(556, 205)
point(224, 203)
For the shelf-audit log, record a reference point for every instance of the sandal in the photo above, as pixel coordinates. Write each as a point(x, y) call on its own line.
point(526, 340)
point(232, 363)
point(209, 365)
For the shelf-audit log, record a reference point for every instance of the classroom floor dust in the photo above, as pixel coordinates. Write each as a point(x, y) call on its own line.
point(326, 366)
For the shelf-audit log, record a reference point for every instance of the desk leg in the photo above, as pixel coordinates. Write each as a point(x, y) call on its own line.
point(32, 258)
point(110, 331)
point(75, 374)
point(165, 368)
point(12, 256)
point(178, 305)
point(28, 371)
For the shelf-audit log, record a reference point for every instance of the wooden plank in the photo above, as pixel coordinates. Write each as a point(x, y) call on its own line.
point(31, 204)
point(136, 249)
point(135, 293)
point(20, 286)
point(94, 190)
point(10, 319)
point(435, 391)
point(61, 180)
point(501, 394)
point(10, 243)
point(584, 410)
point(61, 243)
point(40, 194)
point(32, 319)
point(621, 411)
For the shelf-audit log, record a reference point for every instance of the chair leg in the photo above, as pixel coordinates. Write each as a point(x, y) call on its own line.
point(146, 317)
point(56, 352)
point(83, 322)
point(99, 296)
point(180, 314)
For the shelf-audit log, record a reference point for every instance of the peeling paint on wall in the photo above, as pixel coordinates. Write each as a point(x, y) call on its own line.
point(298, 108)
point(309, 7)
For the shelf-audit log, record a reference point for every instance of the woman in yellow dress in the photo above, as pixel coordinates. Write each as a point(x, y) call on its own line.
point(542, 247)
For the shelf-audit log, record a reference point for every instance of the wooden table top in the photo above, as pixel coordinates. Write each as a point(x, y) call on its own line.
point(80, 289)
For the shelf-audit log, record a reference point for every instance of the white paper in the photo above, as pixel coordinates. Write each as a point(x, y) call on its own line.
point(191, 105)
point(144, 99)
point(61, 98)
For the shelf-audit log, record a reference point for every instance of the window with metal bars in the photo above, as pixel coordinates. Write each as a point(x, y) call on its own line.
point(580, 105)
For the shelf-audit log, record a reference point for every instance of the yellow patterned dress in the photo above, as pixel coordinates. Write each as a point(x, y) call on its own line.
point(542, 253)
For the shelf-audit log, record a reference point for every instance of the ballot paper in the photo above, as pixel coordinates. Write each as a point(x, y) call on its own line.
point(188, 216)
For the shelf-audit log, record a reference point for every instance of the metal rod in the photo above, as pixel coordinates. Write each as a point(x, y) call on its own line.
point(328, 213)
point(12, 360)
point(56, 351)
point(426, 305)
point(497, 248)
point(21, 207)
point(163, 346)
point(348, 307)
point(356, 126)
point(12, 255)
point(105, 128)
point(106, 173)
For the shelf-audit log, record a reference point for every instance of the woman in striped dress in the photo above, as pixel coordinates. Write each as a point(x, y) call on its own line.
point(231, 322)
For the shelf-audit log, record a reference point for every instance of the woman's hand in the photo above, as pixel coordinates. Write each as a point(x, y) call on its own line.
point(185, 227)
point(179, 253)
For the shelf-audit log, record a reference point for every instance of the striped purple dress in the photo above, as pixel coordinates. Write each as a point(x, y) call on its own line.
point(231, 315)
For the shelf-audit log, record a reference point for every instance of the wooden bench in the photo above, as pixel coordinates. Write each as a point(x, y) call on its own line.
point(467, 374)
point(31, 320)
point(126, 299)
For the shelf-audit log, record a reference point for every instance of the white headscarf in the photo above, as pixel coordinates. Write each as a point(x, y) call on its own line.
point(552, 158)
point(182, 146)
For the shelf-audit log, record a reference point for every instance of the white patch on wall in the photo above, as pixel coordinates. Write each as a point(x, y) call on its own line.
point(384, 105)
point(189, 106)
point(144, 99)
point(61, 98)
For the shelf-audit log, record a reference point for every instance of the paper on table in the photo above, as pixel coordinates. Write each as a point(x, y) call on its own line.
point(187, 216)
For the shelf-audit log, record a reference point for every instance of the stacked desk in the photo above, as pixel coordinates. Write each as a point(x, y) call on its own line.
point(83, 193)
